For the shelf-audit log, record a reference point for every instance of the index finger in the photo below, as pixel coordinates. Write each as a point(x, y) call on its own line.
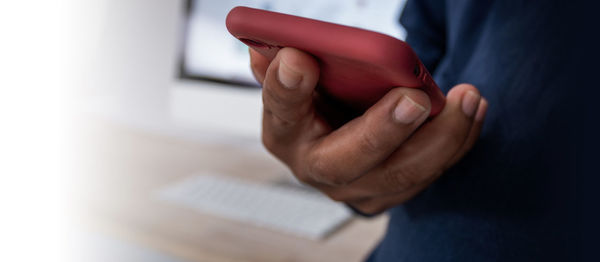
point(288, 91)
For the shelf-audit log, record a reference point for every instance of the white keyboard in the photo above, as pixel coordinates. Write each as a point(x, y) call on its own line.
point(289, 209)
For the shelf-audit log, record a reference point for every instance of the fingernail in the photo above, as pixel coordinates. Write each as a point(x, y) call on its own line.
point(470, 102)
point(407, 111)
point(481, 111)
point(288, 77)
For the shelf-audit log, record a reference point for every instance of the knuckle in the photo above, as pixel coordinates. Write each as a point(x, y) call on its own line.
point(275, 125)
point(280, 122)
point(323, 171)
point(270, 97)
point(283, 113)
point(274, 97)
point(403, 178)
point(368, 143)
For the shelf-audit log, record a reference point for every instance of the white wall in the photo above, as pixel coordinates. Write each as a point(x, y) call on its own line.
point(125, 68)
point(125, 50)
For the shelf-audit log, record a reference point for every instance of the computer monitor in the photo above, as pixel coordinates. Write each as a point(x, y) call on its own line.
point(209, 52)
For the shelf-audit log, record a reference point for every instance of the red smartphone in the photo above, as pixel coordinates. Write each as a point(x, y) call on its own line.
point(358, 66)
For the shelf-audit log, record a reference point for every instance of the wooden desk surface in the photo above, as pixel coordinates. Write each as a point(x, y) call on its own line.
point(122, 168)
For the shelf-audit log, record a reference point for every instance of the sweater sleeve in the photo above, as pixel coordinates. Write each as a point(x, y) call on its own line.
point(425, 24)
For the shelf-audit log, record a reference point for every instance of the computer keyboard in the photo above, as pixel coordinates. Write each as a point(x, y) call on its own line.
point(289, 209)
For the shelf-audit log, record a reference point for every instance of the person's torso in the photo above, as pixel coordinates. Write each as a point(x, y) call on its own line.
point(509, 198)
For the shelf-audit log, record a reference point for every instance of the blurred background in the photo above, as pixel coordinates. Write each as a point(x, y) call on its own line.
point(159, 137)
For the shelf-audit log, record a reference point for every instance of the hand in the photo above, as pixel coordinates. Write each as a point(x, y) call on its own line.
point(375, 161)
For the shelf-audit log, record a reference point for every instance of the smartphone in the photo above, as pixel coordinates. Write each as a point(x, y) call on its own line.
point(357, 67)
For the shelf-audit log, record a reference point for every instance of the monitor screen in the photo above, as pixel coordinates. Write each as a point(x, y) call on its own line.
point(210, 52)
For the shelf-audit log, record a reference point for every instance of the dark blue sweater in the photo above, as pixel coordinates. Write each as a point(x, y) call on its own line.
point(512, 198)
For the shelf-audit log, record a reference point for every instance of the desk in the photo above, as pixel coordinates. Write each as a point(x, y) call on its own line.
point(122, 167)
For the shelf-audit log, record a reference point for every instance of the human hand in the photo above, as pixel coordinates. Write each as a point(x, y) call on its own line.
point(375, 161)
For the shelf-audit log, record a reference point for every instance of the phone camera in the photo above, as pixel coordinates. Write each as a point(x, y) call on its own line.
point(417, 70)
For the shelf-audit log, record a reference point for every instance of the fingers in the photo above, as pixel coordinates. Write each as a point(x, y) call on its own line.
point(288, 88)
point(259, 65)
point(429, 150)
point(363, 143)
point(473, 133)
point(287, 94)
point(425, 155)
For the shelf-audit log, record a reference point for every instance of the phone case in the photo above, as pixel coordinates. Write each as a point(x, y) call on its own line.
point(358, 66)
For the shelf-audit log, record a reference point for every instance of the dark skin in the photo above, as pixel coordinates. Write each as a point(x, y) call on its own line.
point(375, 161)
